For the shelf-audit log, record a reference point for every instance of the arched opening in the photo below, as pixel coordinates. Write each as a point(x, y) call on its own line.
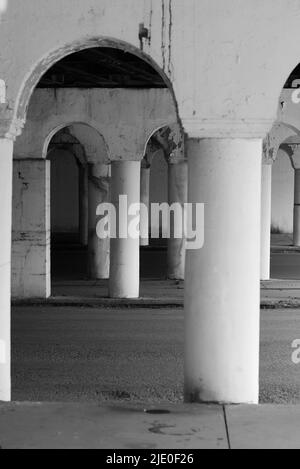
point(282, 146)
point(165, 167)
point(68, 162)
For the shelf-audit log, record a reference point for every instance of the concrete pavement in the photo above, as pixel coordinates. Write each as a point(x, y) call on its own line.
point(133, 427)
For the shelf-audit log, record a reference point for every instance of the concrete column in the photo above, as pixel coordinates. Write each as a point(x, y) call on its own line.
point(297, 209)
point(145, 199)
point(266, 211)
point(83, 204)
point(31, 274)
point(125, 251)
point(222, 288)
point(178, 193)
point(6, 152)
point(98, 249)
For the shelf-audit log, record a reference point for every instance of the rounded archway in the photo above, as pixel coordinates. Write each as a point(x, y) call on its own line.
point(126, 58)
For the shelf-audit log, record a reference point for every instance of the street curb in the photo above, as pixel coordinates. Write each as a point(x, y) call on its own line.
point(142, 303)
point(102, 302)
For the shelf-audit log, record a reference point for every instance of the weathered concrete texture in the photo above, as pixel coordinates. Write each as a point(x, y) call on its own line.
point(125, 118)
point(31, 229)
point(266, 201)
point(86, 426)
point(178, 194)
point(98, 248)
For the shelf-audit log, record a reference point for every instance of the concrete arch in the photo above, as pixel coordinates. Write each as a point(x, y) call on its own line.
point(45, 63)
point(84, 157)
point(77, 148)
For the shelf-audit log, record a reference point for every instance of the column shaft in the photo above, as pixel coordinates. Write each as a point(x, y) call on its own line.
point(98, 249)
point(178, 193)
point(6, 151)
point(297, 209)
point(266, 209)
point(222, 288)
point(125, 250)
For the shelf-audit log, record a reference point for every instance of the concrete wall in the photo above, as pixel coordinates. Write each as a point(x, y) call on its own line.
point(126, 119)
point(282, 194)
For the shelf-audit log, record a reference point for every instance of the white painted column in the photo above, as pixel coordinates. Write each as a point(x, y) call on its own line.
point(125, 251)
point(98, 249)
point(178, 193)
point(83, 204)
point(6, 152)
point(222, 288)
point(297, 209)
point(266, 214)
point(145, 199)
point(31, 274)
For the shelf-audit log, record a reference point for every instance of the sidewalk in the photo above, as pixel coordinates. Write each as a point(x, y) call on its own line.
point(157, 293)
point(88, 426)
point(168, 293)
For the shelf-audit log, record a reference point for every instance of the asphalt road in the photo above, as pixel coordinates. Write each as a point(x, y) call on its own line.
point(86, 354)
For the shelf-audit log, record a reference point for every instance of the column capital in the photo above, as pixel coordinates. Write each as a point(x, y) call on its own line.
point(171, 140)
point(226, 128)
point(269, 154)
point(11, 128)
